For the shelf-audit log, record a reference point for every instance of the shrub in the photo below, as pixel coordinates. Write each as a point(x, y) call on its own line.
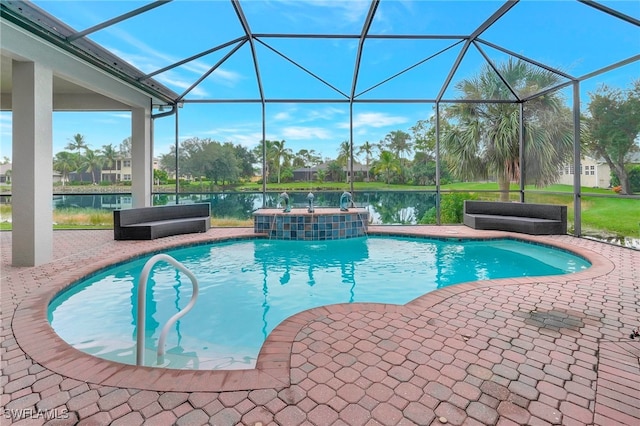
point(429, 217)
point(634, 179)
point(451, 208)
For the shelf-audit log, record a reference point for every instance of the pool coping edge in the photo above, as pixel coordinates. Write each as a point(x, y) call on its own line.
point(39, 341)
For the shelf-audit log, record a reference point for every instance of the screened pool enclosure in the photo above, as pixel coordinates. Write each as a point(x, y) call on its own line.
point(411, 104)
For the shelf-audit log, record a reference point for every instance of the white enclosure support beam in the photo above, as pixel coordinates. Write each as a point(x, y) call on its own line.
point(141, 157)
point(32, 218)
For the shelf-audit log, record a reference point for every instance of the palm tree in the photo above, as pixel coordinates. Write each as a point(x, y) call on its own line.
point(125, 147)
point(398, 142)
point(321, 175)
point(387, 165)
point(306, 158)
point(483, 139)
point(344, 156)
point(366, 149)
point(334, 171)
point(300, 158)
point(91, 162)
point(424, 137)
point(344, 153)
point(77, 143)
point(279, 155)
point(109, 157)
point(65, 163)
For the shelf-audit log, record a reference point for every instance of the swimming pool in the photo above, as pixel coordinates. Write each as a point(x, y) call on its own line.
point(247, 287)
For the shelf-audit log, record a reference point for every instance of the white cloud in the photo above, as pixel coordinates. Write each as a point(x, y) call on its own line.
point(334, 13)
point(171, 80)
point(374, 119)
point(5, 118)
point(327, 113)
point(241, 134)
point(122, 115)
point(282, 116)
point(153, 60)
point(146, 63)
point(248, 140)
point(228, 78)
point(303, 133)
point(351, 11)
point(297, 115)
point(5, 135)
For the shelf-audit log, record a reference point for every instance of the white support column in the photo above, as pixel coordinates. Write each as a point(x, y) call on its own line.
point(141, 157)
point(32, 180)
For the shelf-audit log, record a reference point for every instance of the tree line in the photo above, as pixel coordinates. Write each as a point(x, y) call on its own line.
point(478, 141)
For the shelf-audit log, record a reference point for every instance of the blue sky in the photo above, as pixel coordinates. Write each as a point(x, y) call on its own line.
point(565, 34)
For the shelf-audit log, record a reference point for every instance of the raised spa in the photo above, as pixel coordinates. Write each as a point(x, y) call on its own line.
point(247, 287)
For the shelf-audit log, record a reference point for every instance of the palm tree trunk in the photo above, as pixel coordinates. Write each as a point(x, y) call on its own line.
point(503, 185)
point(368, 178)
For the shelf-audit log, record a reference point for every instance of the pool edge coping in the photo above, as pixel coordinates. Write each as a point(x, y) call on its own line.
point(39, 341)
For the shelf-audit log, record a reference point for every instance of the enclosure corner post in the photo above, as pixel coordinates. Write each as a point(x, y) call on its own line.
point(577, 195)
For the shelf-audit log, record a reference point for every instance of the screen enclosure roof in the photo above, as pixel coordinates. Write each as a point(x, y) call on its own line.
point(334, 51)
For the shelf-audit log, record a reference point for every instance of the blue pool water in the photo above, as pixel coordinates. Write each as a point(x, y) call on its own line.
point(248, 287)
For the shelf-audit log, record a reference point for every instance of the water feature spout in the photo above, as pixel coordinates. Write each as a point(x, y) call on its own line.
point(310, 197)
point(285, 202)
point(345, 201)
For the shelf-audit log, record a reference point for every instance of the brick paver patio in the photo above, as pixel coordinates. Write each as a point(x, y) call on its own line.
point(525, 351)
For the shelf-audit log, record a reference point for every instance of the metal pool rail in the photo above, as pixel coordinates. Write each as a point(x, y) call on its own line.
point(142, 306)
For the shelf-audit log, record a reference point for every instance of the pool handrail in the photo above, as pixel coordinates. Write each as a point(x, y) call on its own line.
point(142, 306)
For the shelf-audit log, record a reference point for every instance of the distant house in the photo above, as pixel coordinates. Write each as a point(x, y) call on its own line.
point(359, 172)
point(311, 173)
point(305, 174)
point(5, 173)
point(120, 171)
point(633, 158)
point(594, 173)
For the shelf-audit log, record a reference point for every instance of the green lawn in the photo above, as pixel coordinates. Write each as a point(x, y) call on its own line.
point(379, 186)
point(619, 215)
point(330, 186)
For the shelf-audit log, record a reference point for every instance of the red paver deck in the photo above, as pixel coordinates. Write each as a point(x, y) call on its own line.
point(544, 350)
